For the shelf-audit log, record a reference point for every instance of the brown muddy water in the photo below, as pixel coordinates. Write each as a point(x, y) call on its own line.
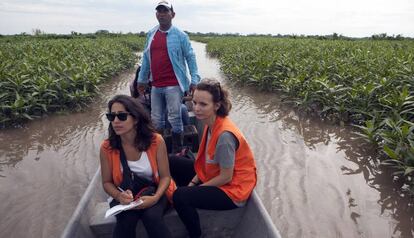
point(315, 179)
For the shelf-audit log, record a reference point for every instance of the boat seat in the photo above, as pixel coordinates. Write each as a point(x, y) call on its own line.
point(212, 224)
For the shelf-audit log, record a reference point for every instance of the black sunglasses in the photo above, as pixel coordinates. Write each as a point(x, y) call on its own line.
point(122, 116)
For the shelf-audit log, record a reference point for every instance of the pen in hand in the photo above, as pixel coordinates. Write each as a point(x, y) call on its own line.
point(127, 192)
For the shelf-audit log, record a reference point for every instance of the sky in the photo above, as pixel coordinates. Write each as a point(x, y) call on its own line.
point(354, 18)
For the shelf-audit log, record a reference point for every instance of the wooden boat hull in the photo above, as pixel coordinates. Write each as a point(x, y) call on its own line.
point(250, 221)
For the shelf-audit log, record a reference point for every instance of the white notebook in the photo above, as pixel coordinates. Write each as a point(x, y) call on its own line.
point(120, 208)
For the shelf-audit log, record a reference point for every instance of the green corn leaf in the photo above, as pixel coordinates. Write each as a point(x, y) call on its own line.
point(408, 171)
point(390, 152)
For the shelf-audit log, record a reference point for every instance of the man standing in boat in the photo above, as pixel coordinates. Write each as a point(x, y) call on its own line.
point(166, 56)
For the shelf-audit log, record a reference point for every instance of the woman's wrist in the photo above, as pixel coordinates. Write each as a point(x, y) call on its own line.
point(157, 196)
point(117, 196)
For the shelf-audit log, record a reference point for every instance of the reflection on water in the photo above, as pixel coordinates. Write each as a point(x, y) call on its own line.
point(327, 180)
point(315, 179)
point(46, 165)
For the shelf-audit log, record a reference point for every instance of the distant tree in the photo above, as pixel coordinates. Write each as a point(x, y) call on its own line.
point(399, 37)
point(74, 33)
point(102, 32)
point(37, 32)
point(381, 36)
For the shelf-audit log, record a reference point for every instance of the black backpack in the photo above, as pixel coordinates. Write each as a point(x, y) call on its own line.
point(144, 99)
point(138, 185)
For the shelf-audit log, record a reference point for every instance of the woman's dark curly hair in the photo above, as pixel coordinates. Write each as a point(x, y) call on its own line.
point(144, 128)
point(219, 93)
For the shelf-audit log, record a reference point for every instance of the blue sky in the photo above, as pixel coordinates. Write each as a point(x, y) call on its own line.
point(356, 18)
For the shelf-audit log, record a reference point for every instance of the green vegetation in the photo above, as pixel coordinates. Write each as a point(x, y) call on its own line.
point(367, 83)
point(48, 73)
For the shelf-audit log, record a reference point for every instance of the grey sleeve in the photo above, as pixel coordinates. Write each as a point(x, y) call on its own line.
point(226, 147)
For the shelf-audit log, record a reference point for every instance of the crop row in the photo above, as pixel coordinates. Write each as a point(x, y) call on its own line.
point(369, 84)
point(38, 76)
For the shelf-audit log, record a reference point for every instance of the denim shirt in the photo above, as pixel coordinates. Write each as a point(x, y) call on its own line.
point(179, 52)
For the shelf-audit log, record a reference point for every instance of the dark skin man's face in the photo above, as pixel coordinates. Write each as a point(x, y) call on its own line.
point(164, 17)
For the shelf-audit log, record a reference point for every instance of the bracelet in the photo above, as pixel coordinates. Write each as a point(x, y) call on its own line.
point(193, 182)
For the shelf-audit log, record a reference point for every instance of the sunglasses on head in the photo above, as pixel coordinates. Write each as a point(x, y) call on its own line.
point(122, 116)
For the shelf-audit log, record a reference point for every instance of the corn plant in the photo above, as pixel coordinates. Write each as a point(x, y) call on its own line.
point(39, 76)
point(369, 84)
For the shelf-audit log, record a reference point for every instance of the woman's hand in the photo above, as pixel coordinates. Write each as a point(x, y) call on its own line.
point(125, 197)
point(141, 88)
point(147, 201)
point(194, 182)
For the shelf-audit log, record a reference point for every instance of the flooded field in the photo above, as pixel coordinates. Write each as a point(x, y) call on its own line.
point(315, 179)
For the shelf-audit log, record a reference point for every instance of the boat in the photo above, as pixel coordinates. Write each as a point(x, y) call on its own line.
point(252, 220)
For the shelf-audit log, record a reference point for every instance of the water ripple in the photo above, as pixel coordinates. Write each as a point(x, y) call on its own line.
point(315, 179)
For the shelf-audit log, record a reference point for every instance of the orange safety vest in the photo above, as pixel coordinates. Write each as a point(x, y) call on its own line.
point(244, 174)
point(114, 156)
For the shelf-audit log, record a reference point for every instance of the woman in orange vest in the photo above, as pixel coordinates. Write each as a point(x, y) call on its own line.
point(224, 173)
point(134, 158)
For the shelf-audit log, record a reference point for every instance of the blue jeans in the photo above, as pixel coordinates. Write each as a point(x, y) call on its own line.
point(167, 99)
point(184, 116)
